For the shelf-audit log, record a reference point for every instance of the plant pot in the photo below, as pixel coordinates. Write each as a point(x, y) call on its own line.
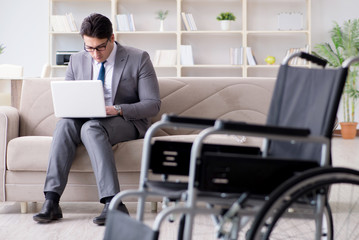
point(225, 25)
point(161, 25)
point(348, 129)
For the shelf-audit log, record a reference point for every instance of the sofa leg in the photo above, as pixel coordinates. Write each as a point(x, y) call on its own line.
point(153, 207)
point(32, 207)
point(23, 207)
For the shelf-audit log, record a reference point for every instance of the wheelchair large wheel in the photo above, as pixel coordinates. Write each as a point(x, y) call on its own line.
point(292, 210)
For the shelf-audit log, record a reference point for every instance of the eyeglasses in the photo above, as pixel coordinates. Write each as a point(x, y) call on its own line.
point(99, 48)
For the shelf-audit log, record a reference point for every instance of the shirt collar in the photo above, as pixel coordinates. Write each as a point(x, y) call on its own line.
point(111, 59)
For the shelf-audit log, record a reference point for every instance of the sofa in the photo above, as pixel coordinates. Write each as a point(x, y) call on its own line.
point(26, 133)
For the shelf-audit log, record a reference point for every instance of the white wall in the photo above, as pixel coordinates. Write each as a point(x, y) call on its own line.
point(24, 27)
point(325, 12)
point(24, 32)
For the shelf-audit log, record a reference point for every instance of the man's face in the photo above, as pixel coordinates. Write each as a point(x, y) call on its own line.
point(100, 49)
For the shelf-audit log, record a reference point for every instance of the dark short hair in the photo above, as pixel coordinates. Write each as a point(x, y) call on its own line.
point(96, 26)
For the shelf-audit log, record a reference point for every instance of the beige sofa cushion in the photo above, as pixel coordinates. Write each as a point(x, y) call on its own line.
point(31, 153)
point(28, 153)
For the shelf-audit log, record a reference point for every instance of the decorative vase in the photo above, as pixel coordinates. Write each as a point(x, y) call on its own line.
point(161, 25)
point(348, 129)
point(225, 25)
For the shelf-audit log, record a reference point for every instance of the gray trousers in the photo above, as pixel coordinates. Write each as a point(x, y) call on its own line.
point(98, 136)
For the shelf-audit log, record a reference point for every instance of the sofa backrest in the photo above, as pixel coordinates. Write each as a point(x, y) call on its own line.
point(240, 99)
point(36, 110)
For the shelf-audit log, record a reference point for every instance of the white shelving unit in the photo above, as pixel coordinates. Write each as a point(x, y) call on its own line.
point(255, 27)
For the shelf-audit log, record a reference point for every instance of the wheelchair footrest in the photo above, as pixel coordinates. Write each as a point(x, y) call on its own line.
point(122, 226)
point(172, 190)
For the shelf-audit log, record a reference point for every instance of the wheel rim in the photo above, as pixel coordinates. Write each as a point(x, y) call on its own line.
point(343, 199)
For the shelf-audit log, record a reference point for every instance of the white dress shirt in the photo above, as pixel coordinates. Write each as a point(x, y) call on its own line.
point(109, 65)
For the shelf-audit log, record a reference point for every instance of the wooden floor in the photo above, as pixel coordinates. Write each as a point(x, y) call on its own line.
point(77, 222)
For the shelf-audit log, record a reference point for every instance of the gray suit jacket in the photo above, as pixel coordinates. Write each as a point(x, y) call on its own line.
point(134, 84)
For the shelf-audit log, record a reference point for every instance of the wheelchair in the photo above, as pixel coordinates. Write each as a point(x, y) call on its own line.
point(285, 190)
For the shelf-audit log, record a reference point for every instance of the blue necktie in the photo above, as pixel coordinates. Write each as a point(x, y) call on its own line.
point(101, 74)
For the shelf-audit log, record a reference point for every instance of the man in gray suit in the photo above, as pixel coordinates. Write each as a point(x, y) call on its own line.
point(131, 96)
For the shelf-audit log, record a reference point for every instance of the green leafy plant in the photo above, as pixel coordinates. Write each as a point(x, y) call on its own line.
point(345, 44)
point(2, 47)
point(226, 16)
point(162, 14)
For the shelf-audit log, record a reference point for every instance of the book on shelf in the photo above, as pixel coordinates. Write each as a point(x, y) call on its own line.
point(186, 55)
point(71, 21)
point(192, 23)
point(250, 57)
point(132, 23)
point(63, 23)
point(188, 21)
point(56, 23)
point(165, 58)
point(297, 60)
point(236, 56)
point(185, 22)
point(125, 23)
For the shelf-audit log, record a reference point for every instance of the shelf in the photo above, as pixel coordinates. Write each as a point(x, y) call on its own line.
point(81, 0)
point(211, 66)
point(211, 32)
point(273, 66)
point(256, 27)
point(146, 32)
point(209, 1)
point(59, 66)
point(263, 66)
point(69, 33)
point(174, 66)
point(279, 32)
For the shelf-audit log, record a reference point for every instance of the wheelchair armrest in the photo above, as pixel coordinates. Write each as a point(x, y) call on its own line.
point(261, 129)
point(189, 120)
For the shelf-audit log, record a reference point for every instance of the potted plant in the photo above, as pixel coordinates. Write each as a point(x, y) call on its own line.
point(162, 15)
point(2, 47)
point(225, 19)
point(345, 40)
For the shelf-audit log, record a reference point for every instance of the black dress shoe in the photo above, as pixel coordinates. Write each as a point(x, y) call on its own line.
point(50, 211)
point(101, 219)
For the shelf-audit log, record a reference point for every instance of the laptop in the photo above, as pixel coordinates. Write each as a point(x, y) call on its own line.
point(78, 99)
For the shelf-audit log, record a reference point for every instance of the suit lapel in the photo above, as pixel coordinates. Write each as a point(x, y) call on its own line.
point(87, 67)
point(120, 63)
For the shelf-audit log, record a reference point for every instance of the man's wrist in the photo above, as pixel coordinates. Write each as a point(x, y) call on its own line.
point(118, 109)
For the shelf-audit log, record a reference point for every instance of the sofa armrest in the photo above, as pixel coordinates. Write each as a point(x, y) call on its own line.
point(9, 129)
point(9, 122)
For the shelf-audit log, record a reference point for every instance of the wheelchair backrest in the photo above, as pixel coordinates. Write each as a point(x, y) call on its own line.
point(305, 98)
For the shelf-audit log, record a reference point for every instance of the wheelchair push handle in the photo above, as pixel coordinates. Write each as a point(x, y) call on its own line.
point(307, 56)
point(347, 63)
point(262, 129)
